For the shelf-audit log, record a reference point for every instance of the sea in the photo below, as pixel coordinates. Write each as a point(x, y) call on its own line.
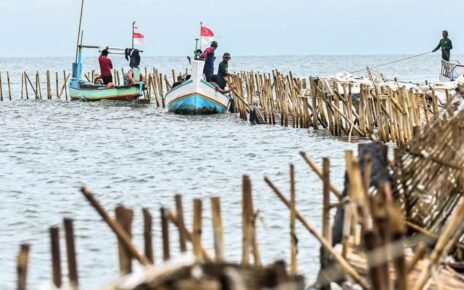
point(141, 156)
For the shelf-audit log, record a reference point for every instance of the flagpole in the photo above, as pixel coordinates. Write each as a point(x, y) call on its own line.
point(79, 31)
point(133, 30)
point(201, 26)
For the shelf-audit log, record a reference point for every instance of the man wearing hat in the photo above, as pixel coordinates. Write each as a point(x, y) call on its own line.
point(446, 46)
point(208, 56)
point(223, 70)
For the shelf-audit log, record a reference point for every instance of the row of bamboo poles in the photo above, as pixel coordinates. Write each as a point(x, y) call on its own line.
point(373, 111)
point(390, 114)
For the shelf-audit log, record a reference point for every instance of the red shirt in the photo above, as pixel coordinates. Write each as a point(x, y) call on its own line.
point(105, 66)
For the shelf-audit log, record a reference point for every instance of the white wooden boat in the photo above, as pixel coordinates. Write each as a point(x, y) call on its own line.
point(196, 96)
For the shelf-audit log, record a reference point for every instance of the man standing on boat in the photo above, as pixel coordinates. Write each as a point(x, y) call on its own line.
point(208, 56)
point(223, 70)
point(446, 46)
point(105, 68)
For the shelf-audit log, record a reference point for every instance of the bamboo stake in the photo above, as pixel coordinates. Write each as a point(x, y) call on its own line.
point(293, 236)
point(217, 229)
point(165, 234)
point(124, 217)
point(246, 225)
point(22, 86)
point(326, 244)
point(9, 84)
point(326, 233)
point(22, 266)
point(197, 221)
point(71, 253)
point(1, 87)
point(180, 218)
point(57, 85)
point(188, 235)
point(147, 235)
point(56, 256)
point(116, 227)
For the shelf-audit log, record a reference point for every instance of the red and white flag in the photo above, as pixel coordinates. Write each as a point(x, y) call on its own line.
point(137, 36)
point(207, 36)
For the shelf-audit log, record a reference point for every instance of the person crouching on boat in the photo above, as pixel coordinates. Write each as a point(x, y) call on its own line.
point(446, 46)
point(106, 65)
point(214, 81)
point(208, 56)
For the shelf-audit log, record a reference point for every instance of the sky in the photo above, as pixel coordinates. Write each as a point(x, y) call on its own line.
point(243, 27)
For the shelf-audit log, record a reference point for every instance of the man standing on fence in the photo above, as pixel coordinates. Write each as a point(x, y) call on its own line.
point(446, 46)
point(105, 68)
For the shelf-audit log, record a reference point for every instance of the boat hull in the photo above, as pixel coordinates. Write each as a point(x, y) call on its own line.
point(98, 94)
point(196, 98)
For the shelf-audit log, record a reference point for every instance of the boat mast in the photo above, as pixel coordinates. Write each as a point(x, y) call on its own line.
point(79, 31)
point(132, 36)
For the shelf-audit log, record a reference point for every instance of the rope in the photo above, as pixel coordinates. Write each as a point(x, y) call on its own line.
point(392, 62)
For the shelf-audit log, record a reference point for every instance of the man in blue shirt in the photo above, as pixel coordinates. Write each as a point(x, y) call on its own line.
point(208, 56)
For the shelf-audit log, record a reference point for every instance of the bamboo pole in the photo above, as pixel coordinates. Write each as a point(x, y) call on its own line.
point(49, 90)
point(9, 84)
point(326, 232)
point(246, 222)
point(293, 236)
point(180, 218)
point(217, 229)
point(124, 217)
point(1, 87)
point(71, 253)
point(197, 226)
point(57, 85)
point(326, 244)
point(22, 266)
point(165, 234)
point(116, 227)
point(56, 256)
point(22, 86)
point(147, 235)
point(188, 235)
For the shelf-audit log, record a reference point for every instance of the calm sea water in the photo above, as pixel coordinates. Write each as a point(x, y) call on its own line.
point(141, 156)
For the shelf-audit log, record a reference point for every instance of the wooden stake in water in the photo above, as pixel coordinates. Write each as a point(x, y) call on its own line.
point(1, 87)
point(147, 235)
point(246, 222)
point(165, 234)
point(22, 265)
point(9, 84)
point(180, 219)
point(197, 227)
point(293, 237)
point(218, 229)
point(56, 256)
point(124, 216)
point(71, 253)
point(116, 227)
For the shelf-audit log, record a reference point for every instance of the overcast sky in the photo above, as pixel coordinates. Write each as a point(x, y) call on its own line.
point(243, 27)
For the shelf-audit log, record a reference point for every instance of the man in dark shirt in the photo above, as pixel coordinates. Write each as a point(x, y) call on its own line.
point(105, 68)
point(223, 70)
point(446, 46)
point(208, 56)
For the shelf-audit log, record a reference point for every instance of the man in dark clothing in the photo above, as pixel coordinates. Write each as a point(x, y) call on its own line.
point(208, 56)
point(214, 81)
point(105, 68)
point(446, 46)
point(223, 70)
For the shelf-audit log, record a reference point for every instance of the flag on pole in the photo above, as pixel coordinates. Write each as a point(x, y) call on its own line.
point(206, 35)
point(137, 36)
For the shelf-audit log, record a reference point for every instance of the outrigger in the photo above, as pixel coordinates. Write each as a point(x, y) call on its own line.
point(80, 89)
